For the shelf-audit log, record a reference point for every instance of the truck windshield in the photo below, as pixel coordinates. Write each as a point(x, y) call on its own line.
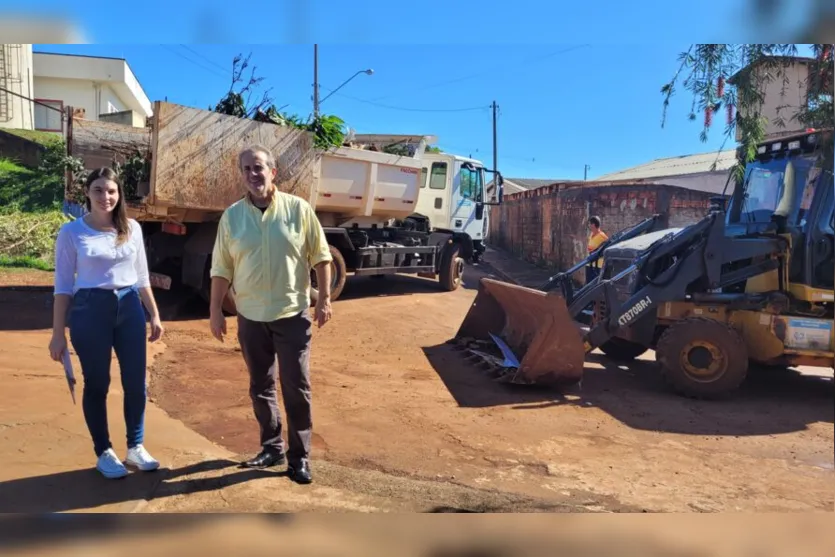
point(765, 187)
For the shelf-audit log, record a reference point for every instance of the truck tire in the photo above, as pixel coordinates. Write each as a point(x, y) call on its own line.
point(622, 350)
point(451, 272)
point(702, 358)
point(339, 275)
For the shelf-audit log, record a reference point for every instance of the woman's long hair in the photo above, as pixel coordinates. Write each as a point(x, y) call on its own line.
point(120, 214)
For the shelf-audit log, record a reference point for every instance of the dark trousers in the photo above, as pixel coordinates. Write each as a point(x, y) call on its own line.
point(289, 340)
point(591, 273)
point(100, 322)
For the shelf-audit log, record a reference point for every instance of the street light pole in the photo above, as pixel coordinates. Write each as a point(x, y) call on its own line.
point(369, 71)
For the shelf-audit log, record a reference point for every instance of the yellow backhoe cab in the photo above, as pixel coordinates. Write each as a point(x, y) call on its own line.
point(751, 282)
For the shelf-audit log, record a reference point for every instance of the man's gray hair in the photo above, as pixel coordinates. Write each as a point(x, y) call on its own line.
point(268, 155)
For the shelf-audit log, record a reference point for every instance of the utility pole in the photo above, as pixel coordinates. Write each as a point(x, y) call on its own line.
point(315, 81)
point(586, 172)
point(495, 108)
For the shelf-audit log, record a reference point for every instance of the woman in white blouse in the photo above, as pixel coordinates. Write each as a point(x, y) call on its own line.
point(101, 283)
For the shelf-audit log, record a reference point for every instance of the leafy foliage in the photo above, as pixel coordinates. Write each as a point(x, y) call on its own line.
point(753, 67)
point(404, 150)
point(328, 130)
point(133, 172)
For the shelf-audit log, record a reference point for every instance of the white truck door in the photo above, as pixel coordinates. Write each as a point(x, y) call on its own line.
point(433, 200)
point(467, 194)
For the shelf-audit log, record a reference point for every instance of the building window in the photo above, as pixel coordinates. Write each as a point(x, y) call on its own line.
point(110, 108)
point(47, 119)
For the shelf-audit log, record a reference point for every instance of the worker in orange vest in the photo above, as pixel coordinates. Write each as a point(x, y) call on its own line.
point(596, 238)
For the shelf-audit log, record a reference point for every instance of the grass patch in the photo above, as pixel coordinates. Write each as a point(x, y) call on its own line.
point(43, 138)
point(26, 262)
point(23, 189)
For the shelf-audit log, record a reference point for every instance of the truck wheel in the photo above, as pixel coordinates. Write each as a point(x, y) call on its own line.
point(338, 277)
point(702, 358)
point(622, 350)
point(452, 268)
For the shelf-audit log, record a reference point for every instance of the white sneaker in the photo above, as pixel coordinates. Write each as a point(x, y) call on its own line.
point(140, 458)
point(110, 466)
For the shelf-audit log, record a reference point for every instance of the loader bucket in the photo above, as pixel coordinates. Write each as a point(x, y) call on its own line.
point(524, 335)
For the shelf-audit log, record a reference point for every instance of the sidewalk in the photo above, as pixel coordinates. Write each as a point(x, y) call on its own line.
point(514, 270)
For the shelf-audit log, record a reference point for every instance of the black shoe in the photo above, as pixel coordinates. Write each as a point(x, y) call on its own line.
point(300, 472)
point(265, 459)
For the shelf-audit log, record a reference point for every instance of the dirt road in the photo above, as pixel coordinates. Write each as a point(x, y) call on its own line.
point(397, 412)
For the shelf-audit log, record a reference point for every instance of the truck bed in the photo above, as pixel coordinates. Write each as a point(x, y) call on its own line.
point(193, 155)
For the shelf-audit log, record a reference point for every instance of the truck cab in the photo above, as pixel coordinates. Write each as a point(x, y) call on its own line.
point(453, 198)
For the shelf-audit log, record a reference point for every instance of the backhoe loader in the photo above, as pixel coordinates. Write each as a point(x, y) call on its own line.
point(750, 282)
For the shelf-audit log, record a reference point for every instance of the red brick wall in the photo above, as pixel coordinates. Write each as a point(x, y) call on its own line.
point(548, 226)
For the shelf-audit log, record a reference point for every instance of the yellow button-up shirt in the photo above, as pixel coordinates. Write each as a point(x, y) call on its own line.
point(267, 256)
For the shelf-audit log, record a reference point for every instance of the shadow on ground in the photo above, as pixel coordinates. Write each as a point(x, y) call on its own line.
point(25, 308)
point(182, 304)
point(85, 489)
point(770, 402)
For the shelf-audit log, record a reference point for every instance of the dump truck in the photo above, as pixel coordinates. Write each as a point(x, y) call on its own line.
point(420, 213)
point(751, 282)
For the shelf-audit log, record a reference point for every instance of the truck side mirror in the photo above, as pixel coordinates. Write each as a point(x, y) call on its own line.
point(499, 187)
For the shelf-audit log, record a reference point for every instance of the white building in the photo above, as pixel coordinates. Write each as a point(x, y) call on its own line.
point(100, 88)
point(16, 86)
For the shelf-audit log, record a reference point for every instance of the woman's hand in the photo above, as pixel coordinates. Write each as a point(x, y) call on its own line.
point(156, 329)
point(57, 347)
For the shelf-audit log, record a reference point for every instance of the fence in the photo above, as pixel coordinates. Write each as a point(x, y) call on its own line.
point(548, 226)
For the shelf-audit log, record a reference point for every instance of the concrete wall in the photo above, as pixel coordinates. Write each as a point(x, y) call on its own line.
point(16, 74)
point(125, 117)
point(548, 226)
point(28, 153)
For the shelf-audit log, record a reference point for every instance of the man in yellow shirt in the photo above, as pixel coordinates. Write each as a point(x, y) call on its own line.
point(596, 238)
point(266, 244)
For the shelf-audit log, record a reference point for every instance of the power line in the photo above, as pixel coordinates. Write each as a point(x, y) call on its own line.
point(408, 109)
point(207, 59)
point(488, 72)
point(199, 65)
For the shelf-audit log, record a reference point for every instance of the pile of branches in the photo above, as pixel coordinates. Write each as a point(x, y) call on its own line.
point(328, 130)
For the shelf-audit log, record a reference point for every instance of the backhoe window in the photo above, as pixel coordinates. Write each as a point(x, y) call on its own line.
point(762, 194)
point(765, 186)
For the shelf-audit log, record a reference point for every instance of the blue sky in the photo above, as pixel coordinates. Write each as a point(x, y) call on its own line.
point(561, 106)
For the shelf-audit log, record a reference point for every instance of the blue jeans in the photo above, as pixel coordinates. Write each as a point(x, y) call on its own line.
point(101, 321)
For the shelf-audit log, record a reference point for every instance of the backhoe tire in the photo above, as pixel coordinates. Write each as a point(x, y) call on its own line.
point(451, 273)
point(702, 358)
point(622, 350)
point(339, 274)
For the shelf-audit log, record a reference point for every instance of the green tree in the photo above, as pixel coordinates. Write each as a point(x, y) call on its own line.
point(707, 68)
